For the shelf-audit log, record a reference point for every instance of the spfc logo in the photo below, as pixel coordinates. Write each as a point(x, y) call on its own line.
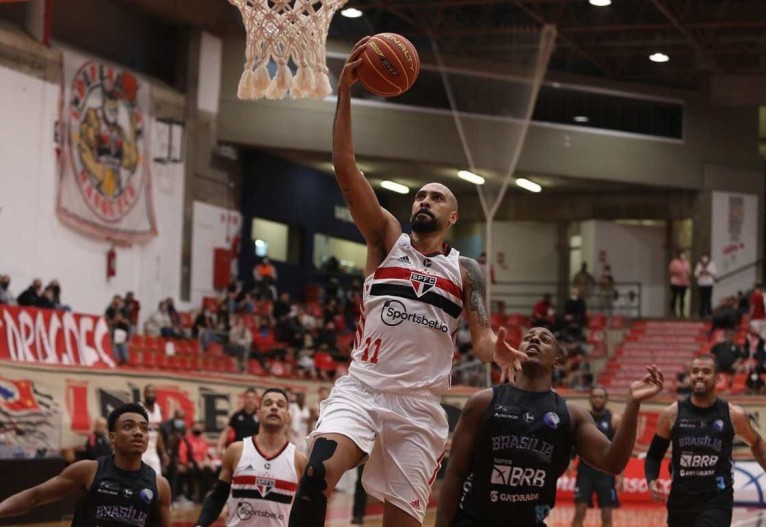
point(422, 283)
point(264, 485)
point(105, 135)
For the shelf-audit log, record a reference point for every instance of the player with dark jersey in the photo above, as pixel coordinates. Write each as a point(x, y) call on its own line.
point(701, 429)
point(590, 480)
point(118, 490)
point(512, 442)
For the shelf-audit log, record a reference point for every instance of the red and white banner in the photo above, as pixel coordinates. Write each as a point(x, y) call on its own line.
point(48, 336)
point(104, 185)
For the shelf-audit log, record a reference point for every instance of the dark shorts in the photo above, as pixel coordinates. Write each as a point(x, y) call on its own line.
point(590, 481)
point(700, 510)
point(713, 517)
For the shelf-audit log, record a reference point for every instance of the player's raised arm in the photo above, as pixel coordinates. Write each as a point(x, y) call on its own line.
point(744, 429)
point(378, 226)
point(486, 345)
point(593, 446)
point(73, 481)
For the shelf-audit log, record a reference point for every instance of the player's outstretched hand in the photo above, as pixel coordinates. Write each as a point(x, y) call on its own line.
point(349, 74)
point(506, 357)
point(649, 386)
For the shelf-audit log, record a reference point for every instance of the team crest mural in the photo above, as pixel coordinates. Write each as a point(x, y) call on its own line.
point(105, 178)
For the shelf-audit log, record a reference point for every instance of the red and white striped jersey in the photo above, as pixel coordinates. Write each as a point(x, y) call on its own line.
point(262, 488)
point(410, 312)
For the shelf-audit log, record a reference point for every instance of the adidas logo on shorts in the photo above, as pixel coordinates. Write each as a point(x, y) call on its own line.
point(404, 259)
point(415, 504)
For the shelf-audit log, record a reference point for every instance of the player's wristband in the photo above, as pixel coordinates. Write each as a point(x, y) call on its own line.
point(655, 456)
point(214, 503)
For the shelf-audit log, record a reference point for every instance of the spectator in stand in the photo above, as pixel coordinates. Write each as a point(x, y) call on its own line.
point(282, 307)
point(757, 311)
point(328, 336)
point(133, 308)
point(729, 357)
point(353, 306)
point(47, 299)
point(175, 318)
point(176, 422)
point(743, 303)
point(606, 289)
point(205, 329)
point(725, 315)
point(705, 272)
point(679, 282)
point(233, 294)
point(246, 304)
point(240, 342)
point(195, 463)
point(583, 281)
point(755, 351)
point(544, 312)
point(6, 297)
point(265, 276)
point(575, 313)
point(158, 324)
point(31, 295)
point(243, 423)
point(97, 444)
point(119, 326)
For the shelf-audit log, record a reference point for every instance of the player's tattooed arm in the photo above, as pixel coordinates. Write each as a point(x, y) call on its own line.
point(475, 290)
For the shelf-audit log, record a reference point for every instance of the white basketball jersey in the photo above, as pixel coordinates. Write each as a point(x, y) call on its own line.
point(155, 419)
point(410, 311)
point(262, 489)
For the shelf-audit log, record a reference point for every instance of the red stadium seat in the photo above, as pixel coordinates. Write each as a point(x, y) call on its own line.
point(739, 383)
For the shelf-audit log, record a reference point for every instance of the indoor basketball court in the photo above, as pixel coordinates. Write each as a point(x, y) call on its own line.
point(179, 212)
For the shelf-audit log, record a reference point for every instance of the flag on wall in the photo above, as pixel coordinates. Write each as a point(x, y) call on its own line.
point(104, 182)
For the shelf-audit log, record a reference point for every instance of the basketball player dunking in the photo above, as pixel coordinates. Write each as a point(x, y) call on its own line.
point(701, 428)
point(259, 474)
point(512, 443)
point(118, 490)
point(386, 408)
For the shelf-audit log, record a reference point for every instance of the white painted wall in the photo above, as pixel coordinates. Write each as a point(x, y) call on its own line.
point(212, 227)
point(528, 250)
point(636, 254)
point(34, 242)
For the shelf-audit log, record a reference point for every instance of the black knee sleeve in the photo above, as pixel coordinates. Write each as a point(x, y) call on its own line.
point(310, 503)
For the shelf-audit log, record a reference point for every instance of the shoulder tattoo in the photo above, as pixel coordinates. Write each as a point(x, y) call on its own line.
point(477, 282)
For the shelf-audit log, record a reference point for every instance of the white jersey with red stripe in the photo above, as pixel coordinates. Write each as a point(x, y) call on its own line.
point(410, 312)
point(262, 488)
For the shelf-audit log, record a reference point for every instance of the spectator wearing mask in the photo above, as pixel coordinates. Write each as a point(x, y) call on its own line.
point(48, 299)
point(6, 297)
point(31, 295)
point(119, 328)
point(97, 444)
point(195, 464)
point(679, 282)
point(705, 273)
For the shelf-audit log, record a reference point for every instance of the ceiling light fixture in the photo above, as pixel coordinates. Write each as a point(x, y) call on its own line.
point(581, 118)
point(528, 185)
point(394, 187)
point(600, 3)
point(659, 57)
point(470, 177)
point(351, 13)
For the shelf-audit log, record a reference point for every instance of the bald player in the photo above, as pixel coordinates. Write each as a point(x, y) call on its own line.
point(386, 410)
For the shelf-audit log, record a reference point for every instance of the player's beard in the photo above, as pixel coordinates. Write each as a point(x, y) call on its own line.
point(424, 223)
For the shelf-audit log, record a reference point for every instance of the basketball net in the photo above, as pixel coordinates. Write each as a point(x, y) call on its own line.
point(286, 32)
point(484, 136)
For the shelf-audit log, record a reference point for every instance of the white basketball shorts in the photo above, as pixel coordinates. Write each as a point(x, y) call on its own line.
point(404, 435)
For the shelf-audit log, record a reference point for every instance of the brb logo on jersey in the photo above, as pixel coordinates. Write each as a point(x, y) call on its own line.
point(422, 283)
point(105, 133)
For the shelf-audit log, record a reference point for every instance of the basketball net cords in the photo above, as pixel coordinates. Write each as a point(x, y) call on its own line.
point(281, 31)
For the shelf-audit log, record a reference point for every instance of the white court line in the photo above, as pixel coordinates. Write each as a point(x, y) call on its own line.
point(749, 521)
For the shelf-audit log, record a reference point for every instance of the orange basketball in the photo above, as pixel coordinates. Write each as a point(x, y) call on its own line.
point(390, 65)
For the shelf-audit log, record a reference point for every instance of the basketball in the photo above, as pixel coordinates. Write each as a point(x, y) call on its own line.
point(390, 65)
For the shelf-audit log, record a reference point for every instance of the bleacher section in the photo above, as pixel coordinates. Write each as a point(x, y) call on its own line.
point(668, 344)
